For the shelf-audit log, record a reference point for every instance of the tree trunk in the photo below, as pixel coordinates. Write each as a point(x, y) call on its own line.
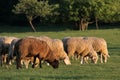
point(96, 21)
point(81, 25)
point(33, 28)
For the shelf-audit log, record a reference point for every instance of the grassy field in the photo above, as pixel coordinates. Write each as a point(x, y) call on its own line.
point(76, 71)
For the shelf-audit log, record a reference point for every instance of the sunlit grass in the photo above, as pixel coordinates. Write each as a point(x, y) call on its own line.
point(76, 71)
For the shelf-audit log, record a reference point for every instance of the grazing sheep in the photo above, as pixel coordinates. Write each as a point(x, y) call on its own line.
point(56, 46)
point(64, 40)
point(32, 47)
point(100, 46)
point(6, 41)
point(81, 47)
point(59, 49)
point(11, 56)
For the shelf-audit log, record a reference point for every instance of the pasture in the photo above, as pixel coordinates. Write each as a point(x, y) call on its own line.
point(76, 71)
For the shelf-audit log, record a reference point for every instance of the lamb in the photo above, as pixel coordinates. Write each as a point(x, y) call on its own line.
point(100, 46)
point(32, 47)
point(56, 46)
point(81, 47)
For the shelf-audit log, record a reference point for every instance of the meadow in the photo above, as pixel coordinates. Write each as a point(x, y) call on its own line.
point(75, 71)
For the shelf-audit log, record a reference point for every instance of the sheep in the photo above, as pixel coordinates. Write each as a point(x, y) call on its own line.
point(7, 42)
point(100, 46)
point(32, 47)
point(11, 56)
point(64, 40)
point(56, 46)
point(81, 47)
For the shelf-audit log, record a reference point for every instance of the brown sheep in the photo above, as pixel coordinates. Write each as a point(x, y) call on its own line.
point(82, 47)
point(32, 47)
point(11, 56)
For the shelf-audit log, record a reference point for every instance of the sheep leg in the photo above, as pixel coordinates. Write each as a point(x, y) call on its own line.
point(4, 58)
point(40, 63)
point(33, 66)
point(101, 58)
point(81, 59)
point(18, 60)
point(105, 58)
point(86, 59)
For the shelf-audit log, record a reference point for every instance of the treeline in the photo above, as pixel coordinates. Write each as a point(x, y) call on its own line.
point(79, 12)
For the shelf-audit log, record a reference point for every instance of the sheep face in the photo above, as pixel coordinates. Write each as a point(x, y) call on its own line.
point(95, 59)
point(67, 61)
point(54, 64)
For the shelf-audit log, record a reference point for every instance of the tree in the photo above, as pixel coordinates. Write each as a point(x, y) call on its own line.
point(105, 10)
point(82, 11)
point(97, 7)
point(77, 11)
point(33, 8)
point(111, 11)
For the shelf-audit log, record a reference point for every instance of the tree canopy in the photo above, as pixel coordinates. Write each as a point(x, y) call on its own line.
point(33, 9)
point(80, 12)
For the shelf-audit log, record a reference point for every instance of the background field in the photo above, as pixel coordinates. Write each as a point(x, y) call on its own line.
point(76, 71)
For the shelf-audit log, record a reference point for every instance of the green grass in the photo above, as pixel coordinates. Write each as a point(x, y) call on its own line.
point(76, 71)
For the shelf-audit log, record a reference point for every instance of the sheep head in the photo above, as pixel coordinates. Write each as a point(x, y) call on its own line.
point(54, 63)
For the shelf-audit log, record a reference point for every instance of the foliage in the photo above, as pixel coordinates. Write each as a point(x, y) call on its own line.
point(33, 9)
point(103, 11)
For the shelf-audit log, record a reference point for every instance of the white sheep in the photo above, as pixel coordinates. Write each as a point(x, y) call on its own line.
point(81, 47)
point(100, 46)
point(56, 46)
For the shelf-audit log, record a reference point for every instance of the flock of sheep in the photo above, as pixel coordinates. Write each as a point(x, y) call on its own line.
point(35, 50)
